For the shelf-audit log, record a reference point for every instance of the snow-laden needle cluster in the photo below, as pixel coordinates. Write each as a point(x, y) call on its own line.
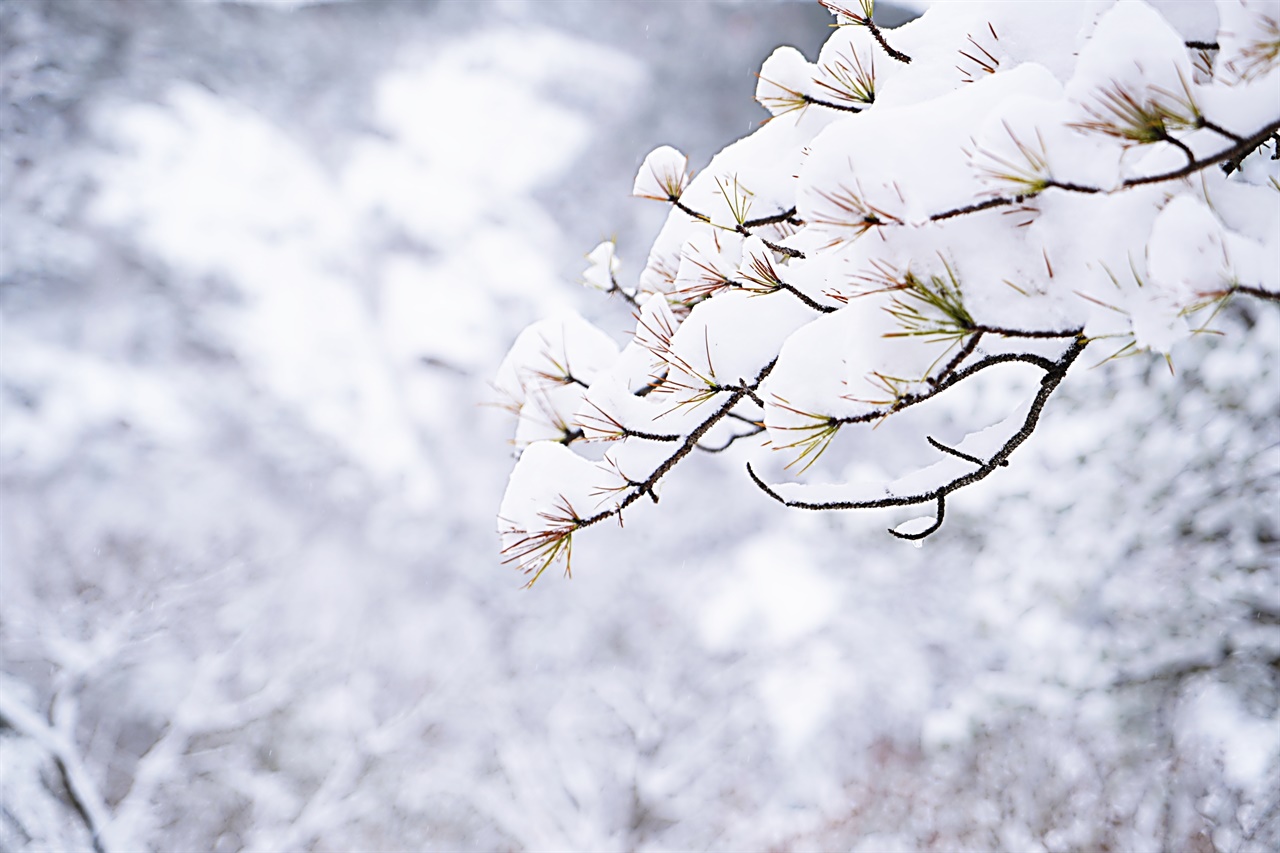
point(992, 187)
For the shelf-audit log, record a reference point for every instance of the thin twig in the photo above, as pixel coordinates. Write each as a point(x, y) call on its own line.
point(965, 352)
point(958, 454)
point(758, 429)
point(1055, 371)
point(784, 216)
point(940, 385)
point(701, 217)
point(1219, 129)
point(933, 528)
point(1236, 152)
point(816, 306)
point(1258, 292)
point(849, 108)
point(1232, 154)
point(1022, 333)
point(879, 37)
point(690, 441)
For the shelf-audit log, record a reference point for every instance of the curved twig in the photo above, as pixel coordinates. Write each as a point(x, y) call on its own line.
point(1182, 146)
point(729, 443)
point(1236, 152)
point(933, 528)
point(1232, 154)
point(690, 441)
point(961, 455)
point(1055, 371)
point(957, 359)
point(908, 400)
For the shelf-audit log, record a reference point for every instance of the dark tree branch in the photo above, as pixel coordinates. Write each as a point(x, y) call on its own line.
point(1023, 333)
point(701, 217)
point(748, 390)
point(784, 250)
point(863, 19)
point(908, 400)
point(744, 419)
point(1257, 292)
point(1247, 289)
point(744, 227)
point(951, 450)
point(933, 528)
point(649, 436)
point(1201, 121)
point(849, 108)
point(816, 306)
point(1181, 146)
point(1231, 155)
point(785, 216)
point(729, 443)
point(690, 441)
point(879, 37)
point(617, 288)
point(1070, 187)
point(977, 207)
point(958, 358)
point(992, 360)
point(1055, 371)
point(1235, 154)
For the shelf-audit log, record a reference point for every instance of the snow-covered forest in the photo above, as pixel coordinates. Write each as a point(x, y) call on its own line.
point(259, 266)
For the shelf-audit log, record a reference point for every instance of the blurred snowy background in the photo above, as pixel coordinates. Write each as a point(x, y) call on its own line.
point(258, 263)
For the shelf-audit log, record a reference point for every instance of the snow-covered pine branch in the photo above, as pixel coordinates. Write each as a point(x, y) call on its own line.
point(988, 190)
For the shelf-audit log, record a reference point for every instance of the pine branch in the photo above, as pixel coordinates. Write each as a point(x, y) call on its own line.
point(1055, 371)
point(687, 446)
point(1233, 154)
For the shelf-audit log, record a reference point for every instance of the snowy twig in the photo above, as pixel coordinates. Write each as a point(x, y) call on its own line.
point(759, 428)
point(818, 102)
point(788, 216)
point(862, 17)
point(1055, 371)
point(1233, 154)
point(951, 380)
point(691, 440)
point(956, 453)
point(1257, 292)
